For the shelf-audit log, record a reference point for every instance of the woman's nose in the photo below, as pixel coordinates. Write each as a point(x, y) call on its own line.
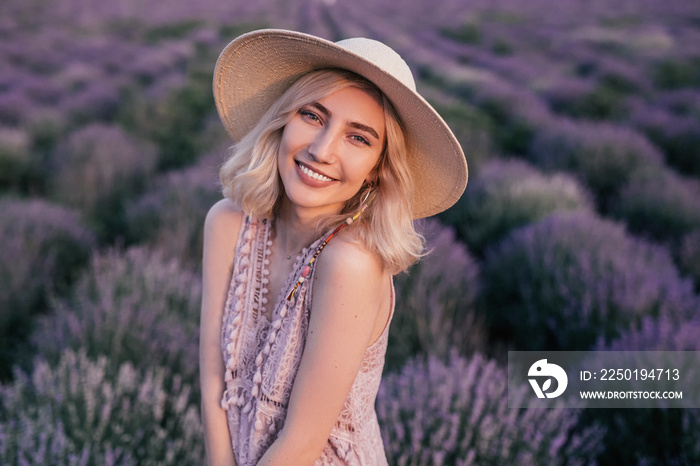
point(323, 147)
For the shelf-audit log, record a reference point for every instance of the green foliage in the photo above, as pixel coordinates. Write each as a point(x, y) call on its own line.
point(604, 102)
point(471, 127)
point(175, 30)
point(15, 159)
point(676, 73)
point(468, 33)
point(173, 123)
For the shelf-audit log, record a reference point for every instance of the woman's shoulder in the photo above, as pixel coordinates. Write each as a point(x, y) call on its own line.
point(222, 223)
point(222, 212)
point(347, 254)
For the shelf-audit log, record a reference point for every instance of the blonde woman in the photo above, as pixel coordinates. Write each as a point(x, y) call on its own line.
point(336, 154)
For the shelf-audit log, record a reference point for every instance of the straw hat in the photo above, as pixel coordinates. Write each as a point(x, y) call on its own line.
point(256, 68)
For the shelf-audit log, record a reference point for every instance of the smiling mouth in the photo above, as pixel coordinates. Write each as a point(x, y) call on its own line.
point(312, 174)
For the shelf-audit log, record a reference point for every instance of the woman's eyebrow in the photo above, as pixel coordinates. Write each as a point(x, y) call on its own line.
point(364, 127)
point(352, 124)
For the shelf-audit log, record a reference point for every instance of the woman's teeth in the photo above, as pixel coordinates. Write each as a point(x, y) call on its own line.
point(313, 174)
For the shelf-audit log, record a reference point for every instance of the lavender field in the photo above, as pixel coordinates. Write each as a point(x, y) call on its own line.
point(579, 229)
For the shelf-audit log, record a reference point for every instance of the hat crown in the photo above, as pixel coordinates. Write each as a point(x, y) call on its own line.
point(381, 56)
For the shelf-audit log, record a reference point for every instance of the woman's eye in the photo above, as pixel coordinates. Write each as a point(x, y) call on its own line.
point(361, 139)
point(310, 115)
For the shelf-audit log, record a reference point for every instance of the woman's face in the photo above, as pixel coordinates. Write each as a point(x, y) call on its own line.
point(329, 148)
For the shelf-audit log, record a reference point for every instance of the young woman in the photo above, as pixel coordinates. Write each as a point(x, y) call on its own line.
point(335, 156)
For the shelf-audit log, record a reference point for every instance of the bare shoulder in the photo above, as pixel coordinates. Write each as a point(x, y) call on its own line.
point(223, 213)
point(349, 272)
point(221, 226)
point(345, 256)
point(223, 217)
point(349, 276)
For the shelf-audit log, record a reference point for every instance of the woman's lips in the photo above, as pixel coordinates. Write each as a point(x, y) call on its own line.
point(312, 177)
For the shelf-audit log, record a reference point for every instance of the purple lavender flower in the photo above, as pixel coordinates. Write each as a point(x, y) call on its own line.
point(509, 193)
point(94, 411)
point(689, 256)
point(436, 298)
point(603, 155)
point(660, 204)
point(136, 307)
point(677, 134)
point(104, 161)
point(44, 245)
point(94, 101)
point(171, 214)
point(658, 435)
point(518, 113)
point(15, 106)
point(661, 334)
point(572, 278)
point(456, 412)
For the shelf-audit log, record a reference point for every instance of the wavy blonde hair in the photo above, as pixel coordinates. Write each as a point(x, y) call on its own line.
point(250, 176)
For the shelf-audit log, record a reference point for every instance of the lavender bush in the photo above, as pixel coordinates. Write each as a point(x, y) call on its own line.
point(573, 278)
point(655, 436)
point(603, 155)
point(676, 72)
point(171, 214)
point(601, 89)
point(689, 257)
point(660, 204)
point(677, 134)
point(517, 113)
point(509, 193)
point(138, 307)
point(15, 160)
point(36, 439)
point(435, 301)
point(96, 167)
point(435, 413)
point(471, 127)
point(45, 129)
point(659, 334)
point(86, 411)
point(174, 122)
point(43, 248)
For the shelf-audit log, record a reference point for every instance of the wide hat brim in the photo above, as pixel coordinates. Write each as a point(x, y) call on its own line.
point(255, 69)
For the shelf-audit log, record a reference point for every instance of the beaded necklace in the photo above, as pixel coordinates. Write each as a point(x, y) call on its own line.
point(307, 268)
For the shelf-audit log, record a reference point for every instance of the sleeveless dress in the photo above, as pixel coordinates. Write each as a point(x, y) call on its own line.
point(262, 359)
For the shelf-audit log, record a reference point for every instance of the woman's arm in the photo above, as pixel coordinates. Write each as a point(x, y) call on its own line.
point(350, 307)
point(220, 234)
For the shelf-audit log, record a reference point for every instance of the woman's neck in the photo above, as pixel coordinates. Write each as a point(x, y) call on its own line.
point(294, 231)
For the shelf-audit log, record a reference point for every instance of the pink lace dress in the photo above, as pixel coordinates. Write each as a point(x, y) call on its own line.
point(262, 358)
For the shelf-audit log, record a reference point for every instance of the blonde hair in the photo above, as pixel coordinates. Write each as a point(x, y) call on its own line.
point(250, 177)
